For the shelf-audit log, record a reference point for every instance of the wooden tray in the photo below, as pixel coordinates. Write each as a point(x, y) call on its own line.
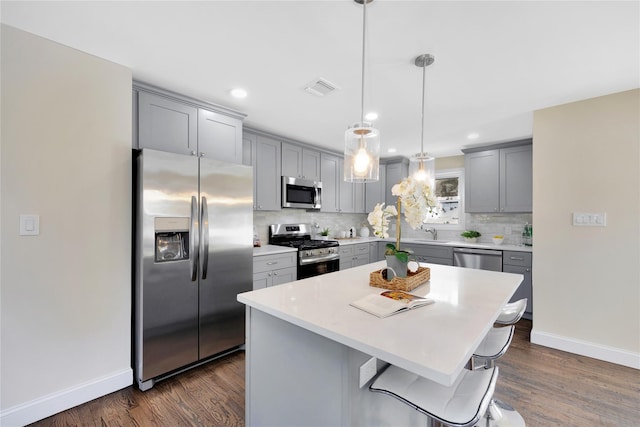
point(412, 281)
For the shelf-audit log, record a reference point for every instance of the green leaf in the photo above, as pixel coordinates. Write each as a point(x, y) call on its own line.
point(402, 256)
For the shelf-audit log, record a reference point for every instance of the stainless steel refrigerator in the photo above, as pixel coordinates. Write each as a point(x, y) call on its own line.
point(193, 238)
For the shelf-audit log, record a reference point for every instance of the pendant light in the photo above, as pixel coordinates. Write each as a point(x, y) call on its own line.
point(422, 165)
point(362, 141)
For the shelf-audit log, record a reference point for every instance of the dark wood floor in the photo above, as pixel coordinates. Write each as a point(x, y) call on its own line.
point(548, 387)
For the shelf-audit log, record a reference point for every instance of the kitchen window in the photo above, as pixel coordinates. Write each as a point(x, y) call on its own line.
point(450, 195)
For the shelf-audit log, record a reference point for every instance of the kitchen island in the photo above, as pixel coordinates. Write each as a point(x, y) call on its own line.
point(306, 344)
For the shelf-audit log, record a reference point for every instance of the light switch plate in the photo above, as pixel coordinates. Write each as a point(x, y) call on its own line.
point(584, 219)
point(29, 225)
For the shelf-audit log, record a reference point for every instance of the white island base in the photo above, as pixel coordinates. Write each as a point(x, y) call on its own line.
point(305, 344)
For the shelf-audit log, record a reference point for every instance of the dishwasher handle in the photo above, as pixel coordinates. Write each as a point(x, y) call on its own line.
point(477, 251)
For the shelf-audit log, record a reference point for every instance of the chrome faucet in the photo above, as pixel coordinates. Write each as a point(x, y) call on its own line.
point(433, 232)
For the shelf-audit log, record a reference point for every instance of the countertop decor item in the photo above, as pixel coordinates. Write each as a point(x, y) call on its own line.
point(470, 236)
point(497, 239)
point(412, 281)
point(364, 231)
point(418, 199)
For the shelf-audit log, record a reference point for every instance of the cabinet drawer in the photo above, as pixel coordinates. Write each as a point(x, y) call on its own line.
point(346, 250)
point(361, 248)
point(521, 259)
point(430, 251)
point(274, 262)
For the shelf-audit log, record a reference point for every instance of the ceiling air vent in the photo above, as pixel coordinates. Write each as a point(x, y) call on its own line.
point(320, 87)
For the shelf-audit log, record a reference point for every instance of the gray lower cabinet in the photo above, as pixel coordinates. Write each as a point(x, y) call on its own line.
point(354, 255)
point(374, 251)
point(499, 179)
point(272, 270)
point(433, 254)
point(520, 263)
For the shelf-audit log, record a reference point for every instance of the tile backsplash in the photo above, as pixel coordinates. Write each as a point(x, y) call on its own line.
point(508, 225)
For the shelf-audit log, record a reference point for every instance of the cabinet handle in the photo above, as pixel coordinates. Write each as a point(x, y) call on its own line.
point(269, 274)
point(516, 258)
point(193, 153)
point(527, 270)
point(275, 273)
point(201, 154)
point(272, 262)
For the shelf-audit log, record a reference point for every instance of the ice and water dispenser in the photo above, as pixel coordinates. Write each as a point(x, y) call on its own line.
point(171, 239)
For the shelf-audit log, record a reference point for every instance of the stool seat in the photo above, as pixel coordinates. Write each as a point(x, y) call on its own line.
point(493, 346)
point(460, 405)
point(512, 312)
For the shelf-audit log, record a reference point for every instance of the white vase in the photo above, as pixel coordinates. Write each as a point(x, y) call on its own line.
point(470, 239)
point(364, 232)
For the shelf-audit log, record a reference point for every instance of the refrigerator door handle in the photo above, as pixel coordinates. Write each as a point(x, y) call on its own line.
point(204, 237)
point(193, 241)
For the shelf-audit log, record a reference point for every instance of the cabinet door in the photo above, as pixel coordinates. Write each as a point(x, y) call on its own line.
point(249, 147)
point(525, 290)
point(261, 280)
point(310, 164)
point(329, 167)
point(284, 275)
point(291, 160)
point(167, 125)
point(266, 171)
point(219, 136)
point(375, 191)
point(516, 179)
point(482, 181)
point(358, 198)
point(374, 254)
point(396, 172)
point(346, 191)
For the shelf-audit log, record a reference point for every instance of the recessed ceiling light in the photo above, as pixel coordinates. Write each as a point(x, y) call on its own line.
point(391, 150)
point(473, 135)
point(238, 93)
point(371, 116)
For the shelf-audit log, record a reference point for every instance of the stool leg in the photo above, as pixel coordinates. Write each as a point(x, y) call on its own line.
point(501, 414)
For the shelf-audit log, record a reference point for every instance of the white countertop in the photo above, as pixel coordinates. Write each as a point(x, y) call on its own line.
point(435, 341)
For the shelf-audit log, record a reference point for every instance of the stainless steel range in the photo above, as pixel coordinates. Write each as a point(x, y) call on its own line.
point(315, 257)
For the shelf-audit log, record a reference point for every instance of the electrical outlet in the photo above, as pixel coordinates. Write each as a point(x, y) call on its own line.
point(368, 370)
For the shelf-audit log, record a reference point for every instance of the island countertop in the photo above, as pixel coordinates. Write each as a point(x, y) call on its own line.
point(435, 341)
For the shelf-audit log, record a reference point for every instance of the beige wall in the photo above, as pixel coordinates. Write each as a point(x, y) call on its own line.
point(65, 294)
point(452, 162)
point(586, 280)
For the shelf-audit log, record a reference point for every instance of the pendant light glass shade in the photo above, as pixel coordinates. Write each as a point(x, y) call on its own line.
point(361, 153)
point(362, 141)
point(422, 167)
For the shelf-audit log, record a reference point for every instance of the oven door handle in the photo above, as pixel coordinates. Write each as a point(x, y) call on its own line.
point(318, 259)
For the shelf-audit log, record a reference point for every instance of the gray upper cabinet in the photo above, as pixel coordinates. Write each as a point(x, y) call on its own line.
point(375, 191)
point(174, 123)
point(219, 136)
point(396, 172)
point(300, 162)
point(338, 195)
point(499, 179)
point(267, 174)
point(167, 125)
point(329, 167)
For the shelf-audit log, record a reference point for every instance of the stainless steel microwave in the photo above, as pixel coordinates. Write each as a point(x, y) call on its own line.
point(301, 193)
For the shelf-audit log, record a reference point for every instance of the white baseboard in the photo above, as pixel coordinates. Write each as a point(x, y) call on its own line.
point(46, 406)
point(589, 349)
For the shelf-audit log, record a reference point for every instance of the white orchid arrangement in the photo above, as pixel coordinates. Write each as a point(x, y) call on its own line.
point(415, 196)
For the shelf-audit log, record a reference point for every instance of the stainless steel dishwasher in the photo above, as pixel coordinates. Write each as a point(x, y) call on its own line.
point(482, 259)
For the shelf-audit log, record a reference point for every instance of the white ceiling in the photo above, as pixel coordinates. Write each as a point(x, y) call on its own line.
point(495, 62)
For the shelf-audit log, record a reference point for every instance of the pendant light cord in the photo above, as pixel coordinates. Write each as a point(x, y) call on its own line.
point(424, 83)
point(364, 32)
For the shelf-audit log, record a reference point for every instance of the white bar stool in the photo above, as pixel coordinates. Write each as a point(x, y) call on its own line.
point(512, 312)
point(492, 347)
point(461, 405)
